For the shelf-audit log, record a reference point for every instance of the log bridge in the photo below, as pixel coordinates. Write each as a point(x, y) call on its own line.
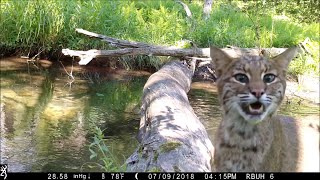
point(172, 139)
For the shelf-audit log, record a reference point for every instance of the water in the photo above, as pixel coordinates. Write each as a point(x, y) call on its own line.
point(48, 120)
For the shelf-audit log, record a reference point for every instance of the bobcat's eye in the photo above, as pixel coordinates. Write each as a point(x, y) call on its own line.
point(268, 78)
point(241, 78)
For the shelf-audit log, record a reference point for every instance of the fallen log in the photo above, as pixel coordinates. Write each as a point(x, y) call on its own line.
point(139, 48)
point(172, 139)
point(87, 56)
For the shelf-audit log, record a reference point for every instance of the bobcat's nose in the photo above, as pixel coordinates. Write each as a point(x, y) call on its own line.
point(257, 92)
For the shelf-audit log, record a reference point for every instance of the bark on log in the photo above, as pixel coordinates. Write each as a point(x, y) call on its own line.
point(172, 139)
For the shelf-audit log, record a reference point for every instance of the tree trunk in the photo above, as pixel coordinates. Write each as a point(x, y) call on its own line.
point(207, 6)
point(172, 139)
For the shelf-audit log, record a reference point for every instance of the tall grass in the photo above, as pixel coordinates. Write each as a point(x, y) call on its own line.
point(28, 26)
point(103, 153)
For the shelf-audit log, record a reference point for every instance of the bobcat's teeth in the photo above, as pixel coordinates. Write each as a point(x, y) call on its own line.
point(256, 111)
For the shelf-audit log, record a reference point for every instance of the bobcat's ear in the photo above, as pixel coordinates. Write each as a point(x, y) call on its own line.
point(283, 59)
point(220, 59)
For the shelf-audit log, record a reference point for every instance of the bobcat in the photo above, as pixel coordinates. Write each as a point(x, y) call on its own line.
point(251, 136)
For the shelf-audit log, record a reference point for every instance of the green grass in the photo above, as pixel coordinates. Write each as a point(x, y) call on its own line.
point(101, 151)
point(31, 26)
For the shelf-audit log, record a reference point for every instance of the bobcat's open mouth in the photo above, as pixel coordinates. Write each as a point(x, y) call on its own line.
point(255, 108)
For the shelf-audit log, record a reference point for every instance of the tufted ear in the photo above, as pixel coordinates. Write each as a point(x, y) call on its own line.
point(283, 59)
point(220, 59)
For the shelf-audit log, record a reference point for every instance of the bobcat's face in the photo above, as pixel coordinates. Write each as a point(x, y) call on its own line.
point(251, 87)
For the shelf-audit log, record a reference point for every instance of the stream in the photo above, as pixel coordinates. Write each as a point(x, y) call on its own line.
point(49, 119)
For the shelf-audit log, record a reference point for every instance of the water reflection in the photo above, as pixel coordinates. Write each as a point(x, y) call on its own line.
point(47, 121)
point(204, 100)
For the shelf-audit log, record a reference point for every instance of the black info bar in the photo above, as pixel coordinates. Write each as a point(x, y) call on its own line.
point(156, 176)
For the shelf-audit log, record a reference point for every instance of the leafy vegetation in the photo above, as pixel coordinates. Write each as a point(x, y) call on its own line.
point(31, 26)
point(100, 150)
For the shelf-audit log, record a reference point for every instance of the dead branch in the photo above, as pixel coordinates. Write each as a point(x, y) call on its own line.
point(116, 42)
point(186, 9)
point(87, 56)
point(139, 48)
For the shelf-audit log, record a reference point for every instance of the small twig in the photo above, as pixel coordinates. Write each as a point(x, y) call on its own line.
point(304, 47)
point(32, 59)
point(72, 69)
point(69, 74)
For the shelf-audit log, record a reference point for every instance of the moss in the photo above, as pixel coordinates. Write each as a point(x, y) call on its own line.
point(155, 169)
point(169, 146)
point(140, 149)
point(156, 155)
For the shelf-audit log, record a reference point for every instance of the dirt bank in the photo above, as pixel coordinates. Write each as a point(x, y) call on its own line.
point(307, 89)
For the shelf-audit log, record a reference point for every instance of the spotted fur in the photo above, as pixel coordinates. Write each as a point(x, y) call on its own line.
point(251, 136)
